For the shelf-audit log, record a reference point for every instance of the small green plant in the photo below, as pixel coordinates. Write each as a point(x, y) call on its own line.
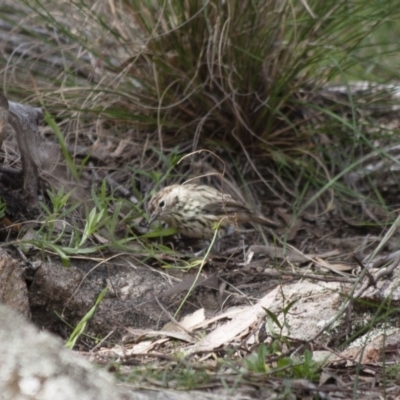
point(80, 328)
point(63, 145)
point(392, 372)
point(189, 378)
point(304, 368)
point(173, 376)
point(72, 228)
point(273, 321)
point(286, 367)
point(256, 362)
point(3, 208)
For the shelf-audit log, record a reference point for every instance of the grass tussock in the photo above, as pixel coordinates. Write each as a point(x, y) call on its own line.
point(202, 73)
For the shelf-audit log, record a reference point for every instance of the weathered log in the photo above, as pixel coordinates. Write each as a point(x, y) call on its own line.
point(24, 120)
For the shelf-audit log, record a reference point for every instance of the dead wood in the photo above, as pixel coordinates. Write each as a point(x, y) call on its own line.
point(24, 120)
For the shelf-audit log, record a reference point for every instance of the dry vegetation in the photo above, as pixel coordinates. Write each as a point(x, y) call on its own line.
point(141, 94)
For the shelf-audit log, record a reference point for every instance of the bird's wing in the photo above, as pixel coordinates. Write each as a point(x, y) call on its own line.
point(225, 207)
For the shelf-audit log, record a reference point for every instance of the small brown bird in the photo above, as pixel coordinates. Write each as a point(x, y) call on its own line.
point(195, 210)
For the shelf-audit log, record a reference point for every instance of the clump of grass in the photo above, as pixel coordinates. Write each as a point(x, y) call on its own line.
point(206, 72)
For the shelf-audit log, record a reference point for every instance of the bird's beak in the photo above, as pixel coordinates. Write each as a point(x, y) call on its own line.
point(153, 217)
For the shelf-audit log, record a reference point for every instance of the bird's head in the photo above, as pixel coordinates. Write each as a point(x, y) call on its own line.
point(163, 203)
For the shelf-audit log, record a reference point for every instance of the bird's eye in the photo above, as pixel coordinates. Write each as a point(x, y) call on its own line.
point(161, 204)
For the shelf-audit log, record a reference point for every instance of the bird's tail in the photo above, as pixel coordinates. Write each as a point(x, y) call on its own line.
point(257, 219)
